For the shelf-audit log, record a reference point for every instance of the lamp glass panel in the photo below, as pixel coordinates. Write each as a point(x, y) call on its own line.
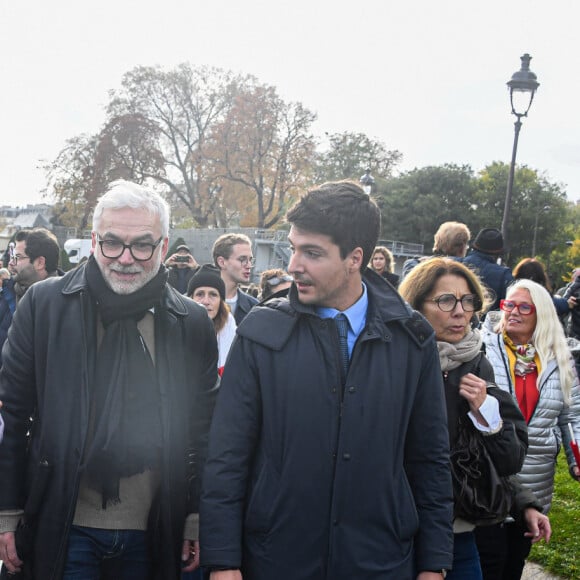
point(521, 101)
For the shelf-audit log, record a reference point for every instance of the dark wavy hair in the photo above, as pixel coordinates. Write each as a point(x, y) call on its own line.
point(41, 242)
point(342, 211)
point(532, 269)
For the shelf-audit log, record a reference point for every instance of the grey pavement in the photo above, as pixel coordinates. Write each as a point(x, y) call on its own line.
point(534, 572)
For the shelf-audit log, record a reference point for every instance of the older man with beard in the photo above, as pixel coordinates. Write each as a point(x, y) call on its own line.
point(108, 386)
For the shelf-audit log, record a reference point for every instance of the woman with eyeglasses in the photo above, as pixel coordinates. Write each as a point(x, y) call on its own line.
point(449, 295)
point(528, 351)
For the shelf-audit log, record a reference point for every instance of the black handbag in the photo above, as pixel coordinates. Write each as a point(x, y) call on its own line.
point(481, 496)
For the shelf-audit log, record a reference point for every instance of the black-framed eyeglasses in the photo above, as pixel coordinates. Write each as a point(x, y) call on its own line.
point(276, 280)
point(141, 251)
point(524, 308)
point(17, 257)
point(245, 260)
point(448, 302)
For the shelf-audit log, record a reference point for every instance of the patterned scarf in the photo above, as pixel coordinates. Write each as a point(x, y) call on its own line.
point(525, 356)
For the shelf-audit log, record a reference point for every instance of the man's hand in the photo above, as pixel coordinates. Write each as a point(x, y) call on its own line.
point(430, 576)
point(226, 575)
point(190, 555)
point(8, 552)
point(171, 261)
point(538, 525)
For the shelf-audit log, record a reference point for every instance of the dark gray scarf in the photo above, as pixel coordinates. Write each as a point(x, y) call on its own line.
point(125, 398)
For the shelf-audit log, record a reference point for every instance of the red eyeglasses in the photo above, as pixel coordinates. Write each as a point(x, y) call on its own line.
point(524, 308)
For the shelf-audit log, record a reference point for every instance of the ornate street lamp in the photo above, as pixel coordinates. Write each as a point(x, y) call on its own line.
point(367, 181)
point(522, 86)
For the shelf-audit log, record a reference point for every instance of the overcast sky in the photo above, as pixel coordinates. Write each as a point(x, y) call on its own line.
point(427, 78)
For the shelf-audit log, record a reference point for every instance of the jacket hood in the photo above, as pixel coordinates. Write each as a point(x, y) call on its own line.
point(484, 256)
point(385, 306)
point(384, 301)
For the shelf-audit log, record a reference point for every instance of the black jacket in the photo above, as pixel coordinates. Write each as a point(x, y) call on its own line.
point(244, 305)
point(494, 276)
point(306, 480)
point(7, 307)
point(574, 290)
point(179, 277)
point(394, 279)
point(507, 448)
point(49, 362)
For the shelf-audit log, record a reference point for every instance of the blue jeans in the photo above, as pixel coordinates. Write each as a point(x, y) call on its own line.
point(465, 558)
point(95, 554)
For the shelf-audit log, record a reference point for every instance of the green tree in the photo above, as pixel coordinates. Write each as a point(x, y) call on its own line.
point(415, 203)
point(349, 155)
point(540, 210)
point(64, 262)
point(565, 254)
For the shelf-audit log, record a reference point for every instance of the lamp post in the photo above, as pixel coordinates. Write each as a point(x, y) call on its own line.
point(522, 86)
point(367, 181)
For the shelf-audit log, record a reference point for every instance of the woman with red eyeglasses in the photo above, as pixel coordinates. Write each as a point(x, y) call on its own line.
point(530, 358)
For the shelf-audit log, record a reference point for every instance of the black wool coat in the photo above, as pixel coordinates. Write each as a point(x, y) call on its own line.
point(45, 386)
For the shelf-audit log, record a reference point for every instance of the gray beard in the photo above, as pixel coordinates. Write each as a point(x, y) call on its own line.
point(124, 288)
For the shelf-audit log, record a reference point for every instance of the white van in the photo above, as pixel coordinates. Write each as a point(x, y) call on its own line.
point(77, 250)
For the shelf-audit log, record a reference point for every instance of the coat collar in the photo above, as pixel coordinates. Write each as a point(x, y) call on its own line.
point(385, 303)
point(487, 257)
point(75, 282)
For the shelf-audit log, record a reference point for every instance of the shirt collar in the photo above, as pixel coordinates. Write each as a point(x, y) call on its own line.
point(356, 314)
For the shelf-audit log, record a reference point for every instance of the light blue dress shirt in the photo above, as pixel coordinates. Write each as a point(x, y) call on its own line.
point(356, 316)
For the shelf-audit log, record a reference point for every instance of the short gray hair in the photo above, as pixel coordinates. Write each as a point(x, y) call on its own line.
point(122, 194)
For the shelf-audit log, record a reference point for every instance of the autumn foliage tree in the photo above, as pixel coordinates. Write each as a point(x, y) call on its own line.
point(123, 149)
point(221, 145)
point(183, 105)
point(265, 146)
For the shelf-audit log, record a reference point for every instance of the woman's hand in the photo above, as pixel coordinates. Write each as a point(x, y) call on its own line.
point(474, 391)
